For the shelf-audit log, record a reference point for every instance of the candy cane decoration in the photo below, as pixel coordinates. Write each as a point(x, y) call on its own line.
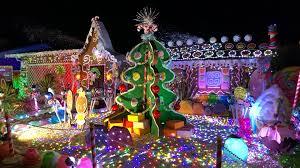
point(272, 33)
point(219, 152)
point(297, 91)
point(93, 145)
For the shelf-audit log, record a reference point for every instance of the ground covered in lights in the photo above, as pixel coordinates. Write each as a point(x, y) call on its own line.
point(147, 151)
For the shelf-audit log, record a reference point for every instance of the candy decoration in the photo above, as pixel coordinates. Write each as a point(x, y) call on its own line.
point(297, 91)
point(63, 162)
point(272, 33)
point(50, 159)
point(156, 114)
point(203, 98)
point(236, 148)
point(84, 162)
point(240, 93)
point(32, 157)
point(122, 88)
point(212, 98)
point(93, 145)
point(114, 107)
point(155, 89)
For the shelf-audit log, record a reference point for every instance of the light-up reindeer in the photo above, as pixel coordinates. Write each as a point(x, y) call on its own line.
point(81, 107)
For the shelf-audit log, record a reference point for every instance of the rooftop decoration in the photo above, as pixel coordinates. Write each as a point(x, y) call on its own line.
point(183, 47)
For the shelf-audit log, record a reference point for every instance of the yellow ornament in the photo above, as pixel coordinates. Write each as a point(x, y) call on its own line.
point(136, 76)
point(149, 77)
point(240, 93)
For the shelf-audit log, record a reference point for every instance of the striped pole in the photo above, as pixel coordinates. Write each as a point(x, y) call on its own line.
point(297, 92)
point(219, 152)
point(93, 145)
point(10, 143)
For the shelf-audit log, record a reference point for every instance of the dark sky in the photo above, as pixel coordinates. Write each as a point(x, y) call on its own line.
point(203, 18)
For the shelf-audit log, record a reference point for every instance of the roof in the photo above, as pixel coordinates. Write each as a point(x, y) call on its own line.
point(10, 61)
point(199, 49)
point(31, 48)
point(44, 53)
point(104, 43)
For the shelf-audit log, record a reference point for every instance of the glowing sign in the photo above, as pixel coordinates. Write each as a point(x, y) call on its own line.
point(213, 79)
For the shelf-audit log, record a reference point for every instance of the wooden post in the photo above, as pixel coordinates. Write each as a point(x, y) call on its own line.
point(219, 152)
point(10, 143)
point(93, 145)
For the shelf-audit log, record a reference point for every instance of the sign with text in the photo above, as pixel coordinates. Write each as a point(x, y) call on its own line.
point(6, 72)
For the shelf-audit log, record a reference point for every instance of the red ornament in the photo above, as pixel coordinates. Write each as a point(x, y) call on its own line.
point(155, 89)
point(114, 107)
point(156, 114)
point(122, 88)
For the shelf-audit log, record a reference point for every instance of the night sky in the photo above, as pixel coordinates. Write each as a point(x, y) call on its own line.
point(43, 22)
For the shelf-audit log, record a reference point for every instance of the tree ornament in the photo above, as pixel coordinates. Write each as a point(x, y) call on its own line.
point(149, 77)
point(156, 114)
point(134, 102)
point(162, 76)
point(136, 76)
point(122, 88)
point(155, 89)
point(114, 107)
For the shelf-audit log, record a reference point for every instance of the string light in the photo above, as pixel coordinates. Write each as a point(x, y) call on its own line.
point(198, 151)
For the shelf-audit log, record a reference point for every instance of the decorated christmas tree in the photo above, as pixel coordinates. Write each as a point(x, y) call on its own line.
point(149, 97)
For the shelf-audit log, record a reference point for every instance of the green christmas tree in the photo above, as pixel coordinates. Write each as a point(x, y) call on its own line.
point(149, 96)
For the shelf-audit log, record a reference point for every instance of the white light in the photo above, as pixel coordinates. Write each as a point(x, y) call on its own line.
point(248, 38)
point(224, 39)
point(170, 43)
point(189, 42)
point(213, 40)
point(200, 41)
point(179, 43)
point(236, 38)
